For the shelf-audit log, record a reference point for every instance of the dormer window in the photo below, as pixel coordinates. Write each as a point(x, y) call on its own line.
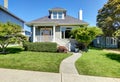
point(57, 15)
point(54, 15)
point(60, 15)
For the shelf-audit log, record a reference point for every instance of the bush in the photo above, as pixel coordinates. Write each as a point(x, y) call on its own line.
point(40, 46)
point(62, 49)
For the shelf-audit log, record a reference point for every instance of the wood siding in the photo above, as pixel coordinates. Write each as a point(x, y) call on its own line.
point(5, 17)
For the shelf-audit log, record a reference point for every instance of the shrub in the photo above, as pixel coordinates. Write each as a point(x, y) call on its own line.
point(40, 46)
point(62, 49)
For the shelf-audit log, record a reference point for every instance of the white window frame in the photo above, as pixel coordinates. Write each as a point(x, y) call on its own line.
point(98, 40)
point(114, 41)
point(52, 15)
point(107, 40)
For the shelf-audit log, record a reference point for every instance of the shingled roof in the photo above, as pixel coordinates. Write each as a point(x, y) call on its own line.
point(57, 9)
point(68, 20)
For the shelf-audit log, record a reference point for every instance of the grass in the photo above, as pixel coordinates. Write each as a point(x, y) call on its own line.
point(36, 61)
point(97, 62)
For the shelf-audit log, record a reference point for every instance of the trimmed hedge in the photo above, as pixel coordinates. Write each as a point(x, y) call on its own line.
point(40, 46)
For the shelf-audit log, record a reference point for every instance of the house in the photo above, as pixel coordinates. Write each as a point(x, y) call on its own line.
point(7, 16)
point(55, 27)
point(105, 42)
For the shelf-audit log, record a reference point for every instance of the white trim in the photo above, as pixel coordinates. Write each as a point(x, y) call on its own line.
point(34, 34)
point(63, 16)
point(54, 33)
point(40, 34)
point(52, 16)
point(80, 15)
point(69, 46)
point(64, 34)
point(107, 41)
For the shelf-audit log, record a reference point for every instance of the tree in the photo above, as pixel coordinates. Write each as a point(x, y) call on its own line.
point(10, 33)
point(86, 35)
point(108, 18)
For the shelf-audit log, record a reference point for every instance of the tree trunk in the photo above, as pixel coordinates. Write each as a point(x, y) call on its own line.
point(86, 47)
point(3, 49)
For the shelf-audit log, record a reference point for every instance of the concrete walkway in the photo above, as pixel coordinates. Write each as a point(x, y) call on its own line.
point(68, 73)
point(10, 75)
point(68, 64)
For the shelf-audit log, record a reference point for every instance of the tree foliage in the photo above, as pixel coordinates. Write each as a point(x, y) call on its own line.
point(86, 35)
point(108, 17)
point(10, 33)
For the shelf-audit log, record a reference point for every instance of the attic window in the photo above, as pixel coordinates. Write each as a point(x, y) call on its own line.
point(60, 15)
point(57, 15)
point(54, 15)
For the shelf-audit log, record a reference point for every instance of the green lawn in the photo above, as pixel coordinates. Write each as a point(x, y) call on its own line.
point(99, 63)
point(36, 61)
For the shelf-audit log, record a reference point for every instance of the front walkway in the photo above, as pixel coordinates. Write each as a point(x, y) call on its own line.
point(68, 64)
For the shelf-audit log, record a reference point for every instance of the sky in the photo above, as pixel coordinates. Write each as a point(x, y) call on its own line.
point(29, 10)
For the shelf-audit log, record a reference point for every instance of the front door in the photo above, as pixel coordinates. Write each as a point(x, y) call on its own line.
point(46, 34)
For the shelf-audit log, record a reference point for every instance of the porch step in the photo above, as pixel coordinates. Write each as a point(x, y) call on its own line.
point(63, 42)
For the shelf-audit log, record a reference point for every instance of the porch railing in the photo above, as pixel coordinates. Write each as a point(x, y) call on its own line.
point(45, 38)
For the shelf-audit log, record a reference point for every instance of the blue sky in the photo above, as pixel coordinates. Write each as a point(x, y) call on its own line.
point(32, 9)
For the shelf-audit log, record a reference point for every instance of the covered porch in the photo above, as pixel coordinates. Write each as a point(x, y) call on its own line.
point(43, 33)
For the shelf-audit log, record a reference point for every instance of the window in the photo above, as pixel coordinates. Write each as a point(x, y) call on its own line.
point(98, 40)
point(57, 15)
point(107, 41)
point(65, 32)
point(60, 15)
point(112, 41)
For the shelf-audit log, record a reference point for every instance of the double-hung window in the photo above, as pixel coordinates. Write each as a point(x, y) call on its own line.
point(54, 15)
point(57, 15)
point(60, 15)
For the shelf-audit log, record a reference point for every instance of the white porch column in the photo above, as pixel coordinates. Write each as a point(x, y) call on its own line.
point(54, 33)
point(60, 32)
point(34, 34)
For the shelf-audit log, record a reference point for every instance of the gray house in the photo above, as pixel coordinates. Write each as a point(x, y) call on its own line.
point(6, 15)
point(105, 42)
point(55, 27)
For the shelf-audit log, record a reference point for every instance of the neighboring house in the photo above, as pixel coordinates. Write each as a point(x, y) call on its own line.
point(55, 27)
point(6, 16)
point(105, 42)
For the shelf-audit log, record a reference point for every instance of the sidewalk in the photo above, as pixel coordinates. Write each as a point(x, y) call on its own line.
point(10, 75)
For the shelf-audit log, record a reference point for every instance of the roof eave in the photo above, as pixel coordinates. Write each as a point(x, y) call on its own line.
point(51, 24)
point(73, 24)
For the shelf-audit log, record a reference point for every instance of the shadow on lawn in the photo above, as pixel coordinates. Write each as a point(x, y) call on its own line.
point(96, 48)
point(114, 56)
point(13, 50)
